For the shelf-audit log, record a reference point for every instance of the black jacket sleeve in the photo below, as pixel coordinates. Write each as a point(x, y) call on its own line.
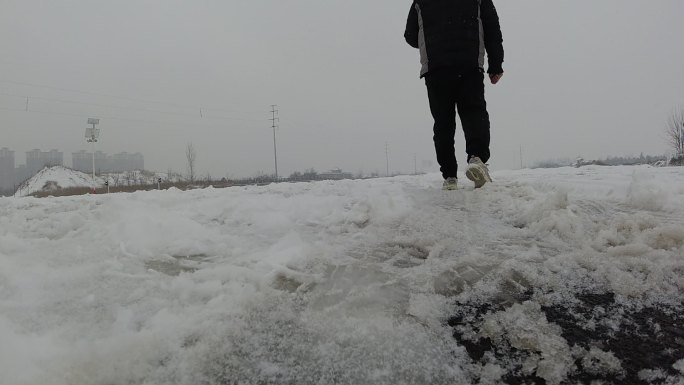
point(411, 34)
point(492, 37)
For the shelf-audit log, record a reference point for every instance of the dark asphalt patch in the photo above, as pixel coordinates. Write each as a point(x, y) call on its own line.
point(642, 339)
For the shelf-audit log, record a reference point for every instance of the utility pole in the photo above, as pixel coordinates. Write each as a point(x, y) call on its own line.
point(275, 148)
point(92, 134)
point(387, 158)
point(415, 164)
point(521, 162)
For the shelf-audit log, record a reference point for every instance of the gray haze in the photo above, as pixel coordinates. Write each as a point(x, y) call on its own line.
point(583, 77)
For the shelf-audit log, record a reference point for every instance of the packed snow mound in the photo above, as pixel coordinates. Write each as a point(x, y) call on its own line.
point(57, 177)
point(558, 276)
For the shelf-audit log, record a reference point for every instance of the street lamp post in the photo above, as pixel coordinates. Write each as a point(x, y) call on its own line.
point(92, 134)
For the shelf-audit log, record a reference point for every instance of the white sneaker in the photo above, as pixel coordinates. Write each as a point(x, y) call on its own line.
point(478, 172)
point(450, 184)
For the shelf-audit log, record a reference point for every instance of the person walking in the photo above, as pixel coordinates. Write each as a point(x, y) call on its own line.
point(452, 36)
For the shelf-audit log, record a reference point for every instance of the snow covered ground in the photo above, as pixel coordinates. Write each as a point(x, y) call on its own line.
point(561, 275)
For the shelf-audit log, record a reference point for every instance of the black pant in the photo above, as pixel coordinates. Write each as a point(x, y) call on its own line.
point(448, 88)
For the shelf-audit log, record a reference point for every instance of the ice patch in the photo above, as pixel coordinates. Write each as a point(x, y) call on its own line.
point(525, 327)
point(665, 237)
point(645, 193)
point(679, 365)
point(597, 361)
point(24, 354)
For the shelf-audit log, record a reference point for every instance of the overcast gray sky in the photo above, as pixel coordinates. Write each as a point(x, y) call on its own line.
point(583, 77)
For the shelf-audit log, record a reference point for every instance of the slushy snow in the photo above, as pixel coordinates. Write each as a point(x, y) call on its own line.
point(329, 282)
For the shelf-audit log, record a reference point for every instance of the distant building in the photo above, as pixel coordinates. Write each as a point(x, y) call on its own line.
point(7, 176)
point(36, 160)
point(138, 161)
point(102, 162)
point(21, 174)
point(33, 161)
point(82, 161)
point(121, 162)
point(54, 158)
point(335, 174)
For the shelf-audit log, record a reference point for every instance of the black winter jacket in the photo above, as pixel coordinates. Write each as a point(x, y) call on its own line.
point(455, 33)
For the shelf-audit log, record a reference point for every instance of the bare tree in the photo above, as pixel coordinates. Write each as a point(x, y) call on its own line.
point(130, 177)
point(674, 132)
point(191, 156)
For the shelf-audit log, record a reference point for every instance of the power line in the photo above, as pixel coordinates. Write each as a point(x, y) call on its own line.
point(201, 115)
point(12, 109)
point(33, 111)
point(275, 149)
point(124, 97)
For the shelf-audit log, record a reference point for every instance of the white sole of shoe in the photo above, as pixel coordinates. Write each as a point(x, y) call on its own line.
point(477, 176)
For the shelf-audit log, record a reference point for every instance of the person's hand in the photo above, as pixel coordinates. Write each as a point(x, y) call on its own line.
point(495, 77)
